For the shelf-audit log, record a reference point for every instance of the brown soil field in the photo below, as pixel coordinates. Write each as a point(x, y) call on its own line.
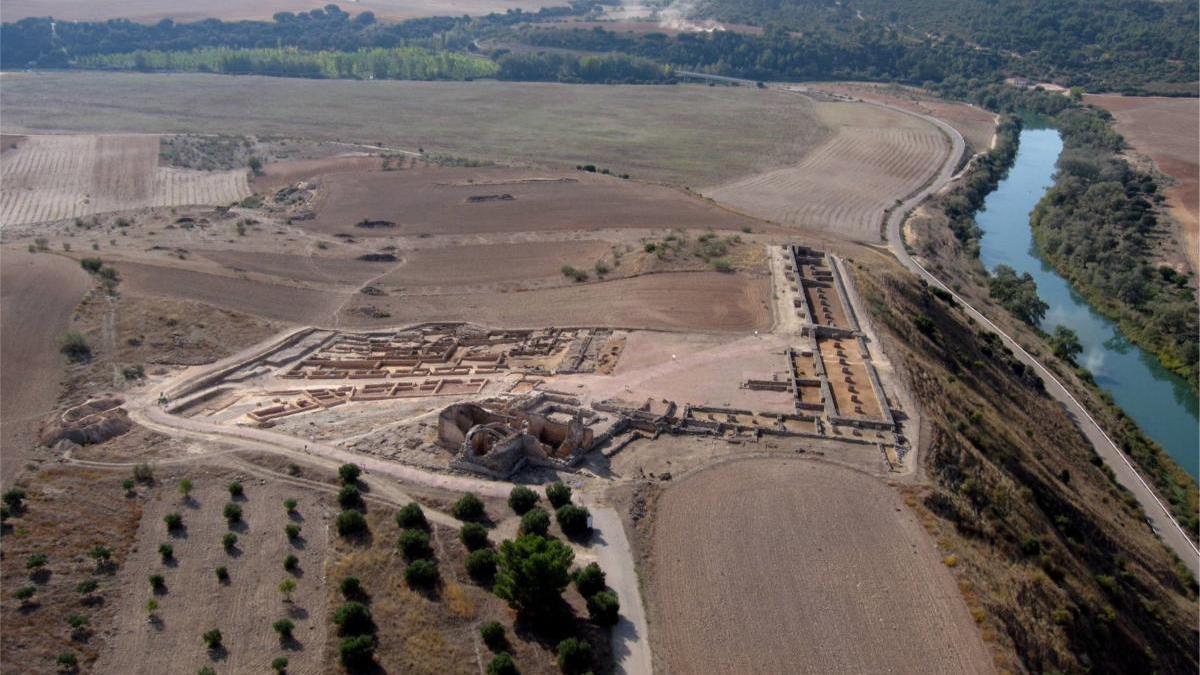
point(1168, 131)
point(974, 123)
point(823, 535)
point(66, 176)
point(438, 201)
point(68, 511)
point(678, 134)
point(875, 158)
point(195, 601)
point(698, 301)
point(279, 174)
point(38, 293)
point(152, 11)
point(324, 270)
point(485, 265)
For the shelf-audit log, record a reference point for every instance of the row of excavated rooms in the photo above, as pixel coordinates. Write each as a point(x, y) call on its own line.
point(495, 401)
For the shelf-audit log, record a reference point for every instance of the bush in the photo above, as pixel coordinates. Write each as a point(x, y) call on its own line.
point(722, 265)
point(235, 489)
point(279, 664)
point(604, 608)
point(559, 494)
point(474, 536)
point(166, 551)
point(502, 664)
point(574, 274)
point(283, 628)
point(350, 587)
point(87, 587)
point(481, 565)
point(142, 473)
point(91, 265)
point(357, 653)
point(222, 574)
point(348, 497)
point(185, 486)
point(24, 593)
point(75, 346)
point(36, 561)
point(212, 638)
point(468, 507)
point(353, 618)
point(291, 562)
point(521, 499)
point(412, 517)
point(77, 620)
point(415, 544)
point(421, 574)
point(535, 521)
point(286, 587)
point(233, 513)
point(67, 660)
point(532, 573)
point(157, 582)
point(14, 499)
point(206, 671)
point(350, 523)
point(493, 635)
point(590, 580)
point(574, 656)
point(573, 520)
point(174, 521)
point(292, 530)
point(133, 372)
point(349, 473)
point(290, 505)
point(229, 541)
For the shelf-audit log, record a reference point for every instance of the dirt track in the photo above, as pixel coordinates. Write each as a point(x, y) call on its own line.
point(39, 292)
point(843, 579)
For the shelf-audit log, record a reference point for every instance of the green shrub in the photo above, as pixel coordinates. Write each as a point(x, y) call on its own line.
point(481, 565)
point(349, 473)
point(421, 574)
point(77, 620)
point(291, 562)
point(521, 499)
point(166, 551)
point(87, 587)
point(590, 580)
point(412, 517)
point(474, 536)
point(468, 507)
point(535, 521)
point(279, 664)
point(174, 521)
point(350, 523)
point(67, 660)
point(212, 638)
point(350, 587)
point(24, 593)
point(604, 608)
point(574, 656)
point(559, 494)
point(292, 531)
point(14, 498)
point(157, 582)
point(36, 561)
point(75, 346)
point(142, 473)
point(283, 628)
point(532, 573)
point(573, 520)
point(415, 544)
point(502, 664)
point(353, 618)
point(229, 541)
point(233, 513)
point(91, 265)
point(358, 652)
point(649, 247)
point(493, 635)
point(290, 505)
point(222, 574)
point(235, 489)
point(722, 265)
point(348, 497)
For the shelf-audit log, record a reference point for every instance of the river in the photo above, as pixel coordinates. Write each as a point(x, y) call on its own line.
point(1161, 403)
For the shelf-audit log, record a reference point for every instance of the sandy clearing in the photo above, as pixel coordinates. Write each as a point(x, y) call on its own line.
point(845, 579)
point(150, 11)
point(195, 601)
point(67, 176)
point(439, 201)
point(698, 301)
point(875, 157)
point(1168, 131)
point(38, 293)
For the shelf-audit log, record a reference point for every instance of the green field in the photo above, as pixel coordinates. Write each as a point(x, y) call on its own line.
point(682, 134)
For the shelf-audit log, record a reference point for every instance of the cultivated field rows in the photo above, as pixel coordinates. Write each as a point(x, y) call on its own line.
point(48, 178)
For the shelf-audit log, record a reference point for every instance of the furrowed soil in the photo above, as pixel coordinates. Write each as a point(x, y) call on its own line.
point(674, 133)
point(874, 158)
point(974, 123)
point(38, 293)
point(1168, 131)
point(844, 579)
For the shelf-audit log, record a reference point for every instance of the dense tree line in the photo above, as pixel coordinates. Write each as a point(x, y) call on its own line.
point(1098, 44)
point(403, 63)
point(1095, 227)
point(603, 69)
point(966, 198)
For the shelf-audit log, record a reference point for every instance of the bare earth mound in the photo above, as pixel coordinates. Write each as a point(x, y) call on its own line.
point(875, 158)
point(55, 177)
point(842, 578)
point(1168, 130)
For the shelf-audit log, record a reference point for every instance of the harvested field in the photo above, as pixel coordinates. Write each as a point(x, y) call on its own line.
point(152, 11)
point(194, 601)
point(278, 302)
point(324, 270)
point(66, 176)
point(279, 174)
point(437, 201)
point(670, 133)
point(699, 301)
point(1168, 131)
point(875, 158)
point(38, 293)
point(823, 535)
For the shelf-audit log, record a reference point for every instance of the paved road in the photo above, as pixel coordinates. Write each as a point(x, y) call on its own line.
point(1164, 524)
